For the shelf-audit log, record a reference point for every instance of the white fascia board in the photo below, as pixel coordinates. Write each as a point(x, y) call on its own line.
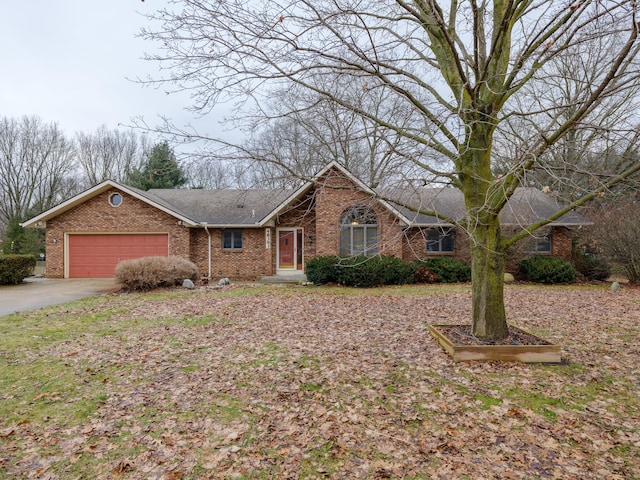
point(430, 225)
point(284, 204)
point(347, 174)
point(230, 225)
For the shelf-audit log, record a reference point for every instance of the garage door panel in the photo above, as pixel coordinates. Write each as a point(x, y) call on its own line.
point(96, 256)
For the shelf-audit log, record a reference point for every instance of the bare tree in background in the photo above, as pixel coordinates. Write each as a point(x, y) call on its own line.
point(463, 69)
point(216, 174)
point(616, 233)
point(595, 148)
point(304, 131)
point(109, 154)
point(37, 167)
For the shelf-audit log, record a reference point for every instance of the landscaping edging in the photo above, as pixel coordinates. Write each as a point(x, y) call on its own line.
point(541, 352)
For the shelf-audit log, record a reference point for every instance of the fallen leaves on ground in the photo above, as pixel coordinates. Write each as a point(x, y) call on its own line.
point(317, 383)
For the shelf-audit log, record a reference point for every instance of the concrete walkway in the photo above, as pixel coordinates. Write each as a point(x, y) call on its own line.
point(42, 292)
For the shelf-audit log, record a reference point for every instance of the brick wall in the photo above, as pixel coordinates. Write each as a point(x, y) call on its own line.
point(249, 263)
point(97, 216)
point(337, 193)
point(414, 246)
point(562, 243)
point(198, 244)
point(561, 246)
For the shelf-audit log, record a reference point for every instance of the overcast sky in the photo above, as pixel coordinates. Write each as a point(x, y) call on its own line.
point(67, 61)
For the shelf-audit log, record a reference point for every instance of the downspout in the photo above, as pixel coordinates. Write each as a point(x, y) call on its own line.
point(208, 249)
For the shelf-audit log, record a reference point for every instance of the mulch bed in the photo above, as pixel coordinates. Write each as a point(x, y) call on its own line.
point(461, 335)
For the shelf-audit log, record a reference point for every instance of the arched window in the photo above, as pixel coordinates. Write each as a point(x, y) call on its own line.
point(358, 231)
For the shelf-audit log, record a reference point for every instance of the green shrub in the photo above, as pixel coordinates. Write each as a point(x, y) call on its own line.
point(359, 271)
point(321, 270)
point(591, 266)
point(15, 268)
point(395, 272)
point(444, 269)
point(544, 269)
point(372, 271)
point(147, 273)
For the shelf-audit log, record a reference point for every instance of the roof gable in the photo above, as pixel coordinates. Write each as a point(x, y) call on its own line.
point(97, 190)
point(349, 176)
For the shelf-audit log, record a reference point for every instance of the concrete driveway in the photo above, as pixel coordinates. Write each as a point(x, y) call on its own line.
point(42, 292)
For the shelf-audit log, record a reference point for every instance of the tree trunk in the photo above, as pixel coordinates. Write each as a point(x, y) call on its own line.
point(487, 277)
point(487, 249)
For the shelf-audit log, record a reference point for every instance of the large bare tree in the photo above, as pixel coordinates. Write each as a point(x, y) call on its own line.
point(110, 154)
point(305, 131)
point(465, 69)
point(37, 167)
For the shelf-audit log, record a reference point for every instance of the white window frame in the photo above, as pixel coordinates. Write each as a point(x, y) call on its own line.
point(357, 222)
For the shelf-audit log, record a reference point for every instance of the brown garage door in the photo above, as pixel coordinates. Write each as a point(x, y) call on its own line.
point(96, 256)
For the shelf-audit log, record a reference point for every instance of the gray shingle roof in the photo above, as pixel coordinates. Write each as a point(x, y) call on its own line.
point(229, 207)
point(221, 207)
point(526, 206)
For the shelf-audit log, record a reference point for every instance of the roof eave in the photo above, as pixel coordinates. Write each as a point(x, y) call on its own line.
point(229, 225)
point(552, 224)
point(276, 211)
point(431, 224)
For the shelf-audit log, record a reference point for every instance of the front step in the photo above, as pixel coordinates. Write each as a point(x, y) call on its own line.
point(288, 279)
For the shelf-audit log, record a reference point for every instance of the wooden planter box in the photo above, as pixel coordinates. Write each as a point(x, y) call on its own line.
point(541, 352)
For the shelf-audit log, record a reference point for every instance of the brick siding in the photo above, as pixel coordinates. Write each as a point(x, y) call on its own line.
point(317, 212)
point(414, 246)
point(249, 263)
point(96, 215)
point(335, 195)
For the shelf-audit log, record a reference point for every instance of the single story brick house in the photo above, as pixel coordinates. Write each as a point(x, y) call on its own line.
point(248, 234)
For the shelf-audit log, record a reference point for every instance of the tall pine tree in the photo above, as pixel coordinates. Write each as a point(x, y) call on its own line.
point(159, 170)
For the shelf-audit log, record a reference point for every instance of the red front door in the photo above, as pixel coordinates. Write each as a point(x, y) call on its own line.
point(286, 248)
point(290, 249)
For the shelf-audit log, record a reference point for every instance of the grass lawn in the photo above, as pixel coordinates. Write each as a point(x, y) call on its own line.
point(303, 382)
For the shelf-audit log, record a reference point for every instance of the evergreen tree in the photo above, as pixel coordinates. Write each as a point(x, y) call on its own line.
point(160, 169)
point(19, 240)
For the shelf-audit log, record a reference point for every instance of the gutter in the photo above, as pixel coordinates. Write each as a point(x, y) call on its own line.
point(206, 229)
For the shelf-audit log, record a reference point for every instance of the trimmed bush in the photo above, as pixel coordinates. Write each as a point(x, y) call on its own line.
point(364, 271)
point(444, 269)
point(395, 271)
point(15, 268)
point(147, 273)
point(373, 271)
point(359, 271)
point(543, 269)
point(321, 270)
